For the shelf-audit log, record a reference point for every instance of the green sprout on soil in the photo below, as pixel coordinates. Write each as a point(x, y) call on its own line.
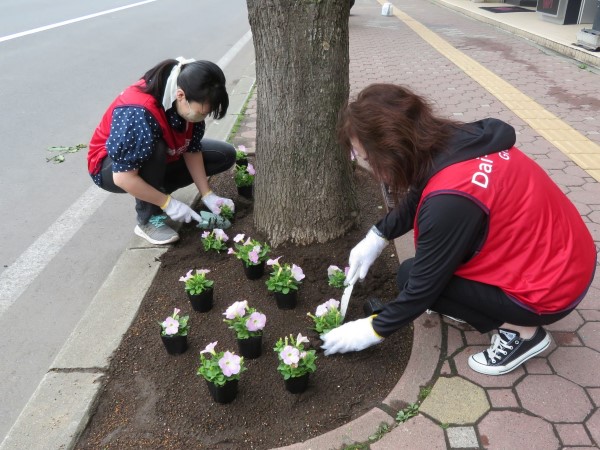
point(410, 411)
point(582, 66)
point(381, 430)
point(61, 151)
point(424, 392)
point(357, 447)
point(444, 426)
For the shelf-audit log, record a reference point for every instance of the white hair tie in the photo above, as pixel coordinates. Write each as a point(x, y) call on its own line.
point(171, 87)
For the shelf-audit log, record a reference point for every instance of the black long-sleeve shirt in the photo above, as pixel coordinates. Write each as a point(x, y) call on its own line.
point(451, 227)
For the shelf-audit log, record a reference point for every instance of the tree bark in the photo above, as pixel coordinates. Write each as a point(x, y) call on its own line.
point(304, 191)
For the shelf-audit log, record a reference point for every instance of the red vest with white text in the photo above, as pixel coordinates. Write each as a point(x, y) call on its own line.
point(132, 96)
point(538, 250)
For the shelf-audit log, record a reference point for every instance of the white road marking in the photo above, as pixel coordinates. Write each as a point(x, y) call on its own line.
point(70, 21)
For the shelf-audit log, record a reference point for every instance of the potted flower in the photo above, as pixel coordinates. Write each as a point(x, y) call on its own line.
point(214, 240)
point(224, 210)
point(253, 255)
point(199, 289)
point(241, 156)
point(248, 324)
point(336, 277)
point(284, 282)
point(244, 179)
point(327, 316)
point(221, 370)
point(295, 363)
point(174, 332)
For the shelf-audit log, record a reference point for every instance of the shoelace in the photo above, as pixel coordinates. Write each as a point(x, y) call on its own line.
point(498, 347)
point(158, 221)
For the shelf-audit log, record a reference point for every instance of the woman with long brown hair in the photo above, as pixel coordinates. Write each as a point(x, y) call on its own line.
point(497, 243)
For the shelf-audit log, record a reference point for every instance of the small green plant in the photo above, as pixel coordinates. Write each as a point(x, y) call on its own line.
point(357, 447)
point(410, 411)
point(214, 240)
point(336, 277)
point(62, 151)
point(381, 430)
point(220, 367)
point(583, 66)
point(196, 283)
point(284, 278)
point(244, 175)
point(251, 252)
point(245, 321)
point(294, 360)
point(175, 325)
point(444, 426)
point(424, 392)
point(327, 316)
point(225, 211)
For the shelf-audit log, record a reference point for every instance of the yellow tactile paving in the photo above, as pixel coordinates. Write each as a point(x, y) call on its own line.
point(584, 152)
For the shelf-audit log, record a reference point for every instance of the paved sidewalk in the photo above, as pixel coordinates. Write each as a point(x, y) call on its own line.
point(470, 70)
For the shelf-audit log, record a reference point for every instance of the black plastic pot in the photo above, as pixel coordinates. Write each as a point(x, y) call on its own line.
point(242, 162)
point(254, 271)
point(297, 385)
point(175, 345)
point(202, 302)
point(250, 348)
point(246, 191)
point(286, 301)
point(223, 394)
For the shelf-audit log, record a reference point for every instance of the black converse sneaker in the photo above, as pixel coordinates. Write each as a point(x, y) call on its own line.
point(508, 351)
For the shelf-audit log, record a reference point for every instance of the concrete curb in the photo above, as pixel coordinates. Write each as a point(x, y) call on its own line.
point(60, 408)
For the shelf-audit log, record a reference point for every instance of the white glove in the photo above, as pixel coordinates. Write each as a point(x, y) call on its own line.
point(180, 212)
point(350, 337)
point(363, 255)
point(214, 202)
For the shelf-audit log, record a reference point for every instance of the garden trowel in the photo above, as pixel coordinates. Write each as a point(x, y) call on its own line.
point(345, 300)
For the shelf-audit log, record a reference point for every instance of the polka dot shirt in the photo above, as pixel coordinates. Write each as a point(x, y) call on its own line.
point(134, 133)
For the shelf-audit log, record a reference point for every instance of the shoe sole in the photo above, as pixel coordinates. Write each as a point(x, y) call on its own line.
point(137, 230)
point(495, 370)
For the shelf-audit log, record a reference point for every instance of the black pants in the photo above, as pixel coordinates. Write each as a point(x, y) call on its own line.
point(482, 306)
point(218, 157)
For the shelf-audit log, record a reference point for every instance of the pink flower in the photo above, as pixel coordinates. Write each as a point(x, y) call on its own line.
point(301, 339)
point(237, 309)
point(297, 272)
point(321, 310)
point(290, 355)
point(176, 311)
point(250, 169)
point(210, 348)
point(205, 234)
point(187, 276)
point(332, 303)
point(253, 256)
point(220, 202)
point(171, 326)
point(220, 235)
point(332, 269)
point(231, 251)
point(256, 321)
point(242, 148)
point(273, 262)
point(202, 271)
point(230, 364)
point(239, 238)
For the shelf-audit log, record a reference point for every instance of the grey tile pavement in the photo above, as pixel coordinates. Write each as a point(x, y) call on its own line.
point(553, 400)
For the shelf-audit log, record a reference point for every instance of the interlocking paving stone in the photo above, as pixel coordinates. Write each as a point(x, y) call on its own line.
point(454, 342)
point(538, 366)
point(455, 400)
point(502, 430)
point(572, 434)
point(590, 334)
point(570, 323)
point(462, 437)
point(502, 398)
point(593, 426)
point(464, 370)
point(566, 338)
point(539, 395)
point(578, 364)
point(476, 338)
point(594, 393)
point(417, 433)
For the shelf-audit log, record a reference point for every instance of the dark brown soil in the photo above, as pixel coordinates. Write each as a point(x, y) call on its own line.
point(156, 401)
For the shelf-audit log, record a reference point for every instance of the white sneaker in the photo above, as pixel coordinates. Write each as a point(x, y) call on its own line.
point(508, 351)
point(156, 231)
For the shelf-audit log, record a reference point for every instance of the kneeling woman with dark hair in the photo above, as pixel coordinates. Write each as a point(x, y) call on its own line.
point(150, 142)
point(497, 243)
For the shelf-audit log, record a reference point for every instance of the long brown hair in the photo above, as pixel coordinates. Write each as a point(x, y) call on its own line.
point(398, 131)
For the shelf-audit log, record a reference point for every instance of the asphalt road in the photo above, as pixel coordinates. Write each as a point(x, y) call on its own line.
point(61, 64)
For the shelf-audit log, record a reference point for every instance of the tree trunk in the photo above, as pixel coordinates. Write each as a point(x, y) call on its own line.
point(304, 191)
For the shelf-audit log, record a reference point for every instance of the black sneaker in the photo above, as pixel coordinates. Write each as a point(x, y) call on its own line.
point(508, 351)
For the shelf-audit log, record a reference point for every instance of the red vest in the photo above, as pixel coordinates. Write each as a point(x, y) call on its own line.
point(538, 250)
point(132, 96)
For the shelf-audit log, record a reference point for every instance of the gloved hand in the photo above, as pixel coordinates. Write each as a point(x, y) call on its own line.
point(214, 202)
point(350, 337)
point(180, 212)
point(363, 255)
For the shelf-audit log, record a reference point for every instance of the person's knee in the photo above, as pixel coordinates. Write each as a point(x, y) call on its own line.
point(404, 272)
